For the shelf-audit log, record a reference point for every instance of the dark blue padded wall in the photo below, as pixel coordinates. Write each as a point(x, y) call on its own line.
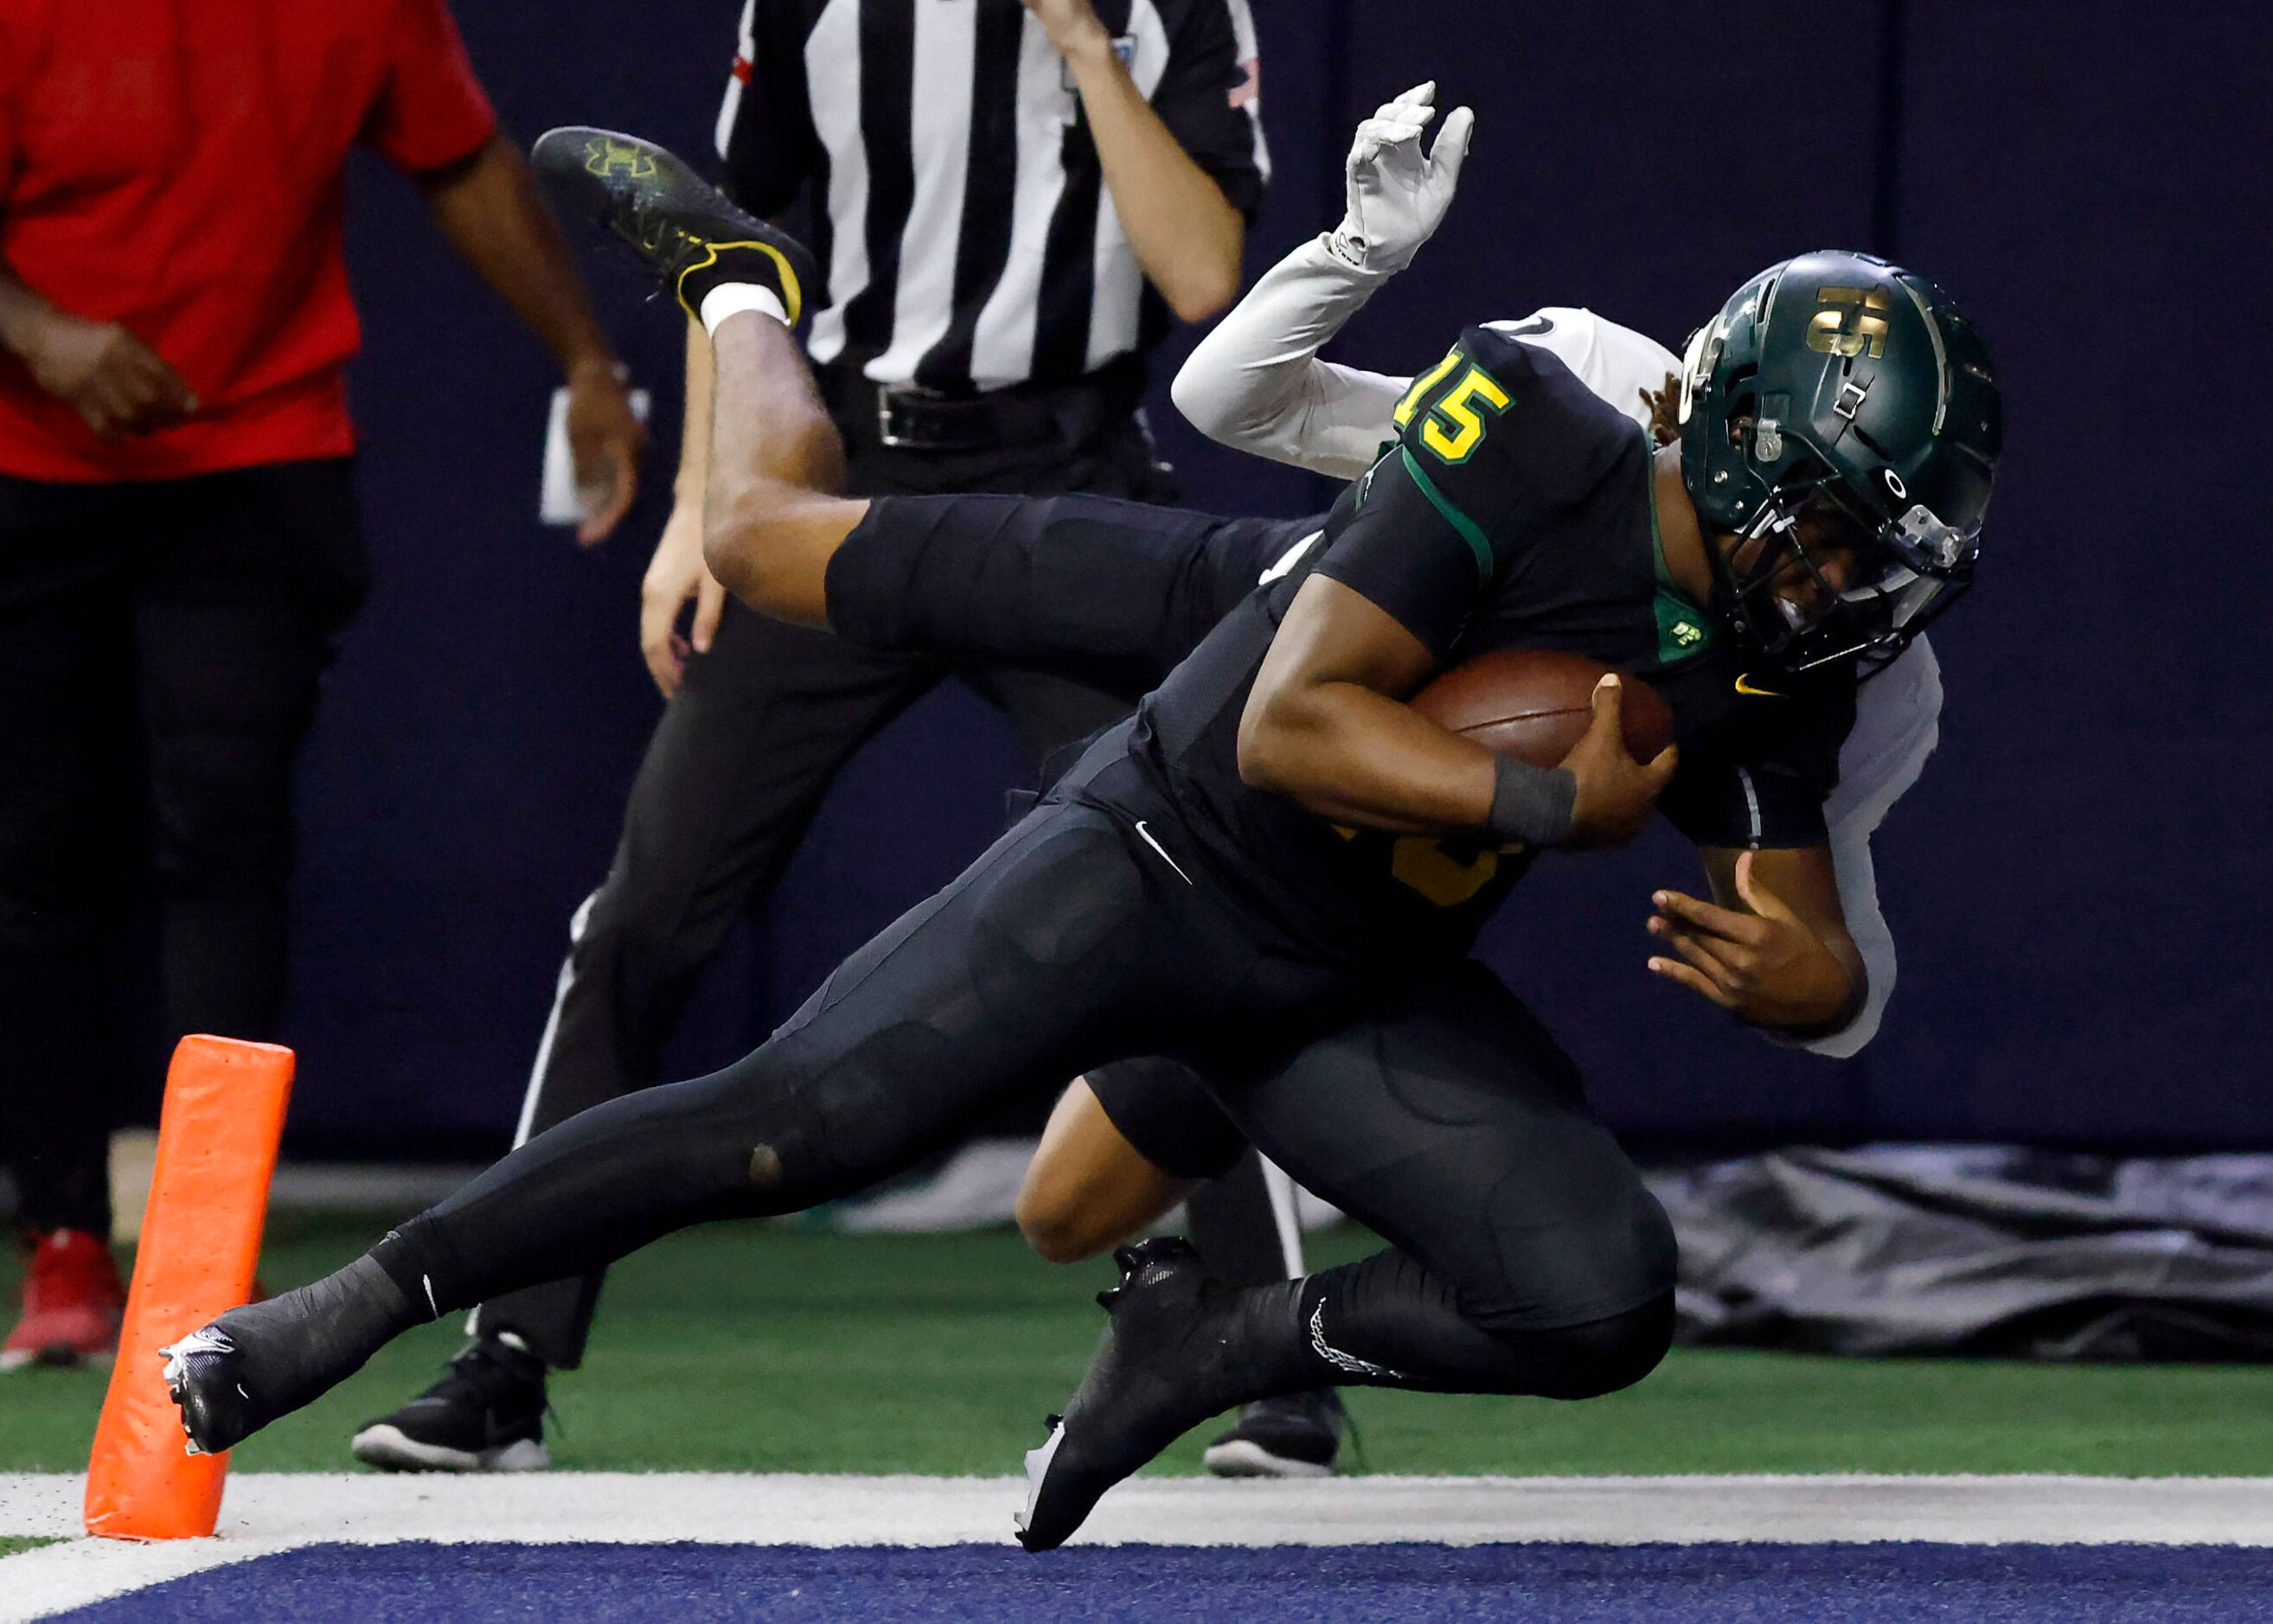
point(2079, 877)
point(2067, 885)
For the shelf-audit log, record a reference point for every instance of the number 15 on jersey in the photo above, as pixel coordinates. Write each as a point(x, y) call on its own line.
point(1454, 428)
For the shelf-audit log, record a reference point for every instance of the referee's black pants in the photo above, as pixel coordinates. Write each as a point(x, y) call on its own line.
point(742, 757)
point(161, 645)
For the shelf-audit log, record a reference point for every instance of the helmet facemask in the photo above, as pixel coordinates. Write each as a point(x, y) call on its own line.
point(1823, 570)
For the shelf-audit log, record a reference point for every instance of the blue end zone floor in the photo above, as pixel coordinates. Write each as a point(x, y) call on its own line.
point(1694, 1584)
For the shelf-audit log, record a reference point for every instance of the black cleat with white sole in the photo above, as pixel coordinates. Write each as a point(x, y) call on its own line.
point(1297, 1436)
point(683, 228)
point(1170, 1358)
point(485, 1414)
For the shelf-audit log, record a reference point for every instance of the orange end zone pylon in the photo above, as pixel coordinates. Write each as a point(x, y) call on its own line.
point(217, 1138)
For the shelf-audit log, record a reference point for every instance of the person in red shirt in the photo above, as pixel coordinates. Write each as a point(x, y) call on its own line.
point(179, 542)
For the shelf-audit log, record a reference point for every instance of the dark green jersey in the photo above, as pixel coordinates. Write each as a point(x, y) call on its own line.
point(1514, 510)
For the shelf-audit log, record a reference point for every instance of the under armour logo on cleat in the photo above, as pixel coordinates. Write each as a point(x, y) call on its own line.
point(603, 156)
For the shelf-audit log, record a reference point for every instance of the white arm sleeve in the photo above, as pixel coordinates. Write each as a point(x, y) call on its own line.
point(1256, 381)
point(1897, 723)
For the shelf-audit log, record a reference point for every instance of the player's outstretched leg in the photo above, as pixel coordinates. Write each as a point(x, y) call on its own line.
point(1054, 948)
point(1079, 586)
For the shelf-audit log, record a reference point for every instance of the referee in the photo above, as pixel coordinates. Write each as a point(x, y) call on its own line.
point(1011, 201)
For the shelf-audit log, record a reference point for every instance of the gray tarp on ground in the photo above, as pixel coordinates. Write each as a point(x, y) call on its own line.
point(1977, 1250)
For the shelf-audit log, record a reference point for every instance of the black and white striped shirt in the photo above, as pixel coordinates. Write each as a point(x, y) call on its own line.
point(958, 201)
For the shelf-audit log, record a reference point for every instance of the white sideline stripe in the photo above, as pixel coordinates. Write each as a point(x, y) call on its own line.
point(271, 1512)
point(542, 1062)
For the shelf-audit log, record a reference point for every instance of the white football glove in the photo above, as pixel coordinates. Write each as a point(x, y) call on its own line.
point(1398, 197)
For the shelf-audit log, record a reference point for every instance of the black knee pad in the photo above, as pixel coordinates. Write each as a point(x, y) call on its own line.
point(1602, 1356)
point(1569, 1243)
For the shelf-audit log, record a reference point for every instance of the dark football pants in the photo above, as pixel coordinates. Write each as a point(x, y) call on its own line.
point(1118, 594)
point(737, 765)
point(1122, 595)
point(1112, 594)
point(1441, 1113)
point(159, 650)
point(1437, 1113)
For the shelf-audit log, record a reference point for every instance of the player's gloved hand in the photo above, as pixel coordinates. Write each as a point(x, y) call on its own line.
point(1764, 966)
point(675, 574)
point(1397, 196)
point(1616, 792)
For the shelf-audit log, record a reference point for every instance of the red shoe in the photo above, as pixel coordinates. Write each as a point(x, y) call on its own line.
point(72, 1304)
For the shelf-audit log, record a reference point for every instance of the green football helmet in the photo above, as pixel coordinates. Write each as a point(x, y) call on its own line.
point(1838, 400)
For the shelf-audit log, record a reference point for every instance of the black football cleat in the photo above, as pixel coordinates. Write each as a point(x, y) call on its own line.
point(678, 223)
point(1297, 1436)
point(485, 1414)
point(205, 1375)
point(1169, 1360)
point(265, 1359)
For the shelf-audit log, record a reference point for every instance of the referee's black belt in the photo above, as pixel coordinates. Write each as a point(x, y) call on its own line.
point(906, 417)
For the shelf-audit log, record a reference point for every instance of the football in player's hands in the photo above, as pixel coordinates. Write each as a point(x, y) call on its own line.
point(1535, 704)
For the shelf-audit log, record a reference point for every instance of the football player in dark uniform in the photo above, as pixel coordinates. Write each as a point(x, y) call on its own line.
point(1273, 873)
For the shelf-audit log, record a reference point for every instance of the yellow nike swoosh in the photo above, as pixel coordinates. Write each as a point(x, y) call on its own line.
point(1744, 687)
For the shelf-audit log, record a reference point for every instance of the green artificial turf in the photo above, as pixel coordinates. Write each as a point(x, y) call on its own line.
point(747, 1348)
